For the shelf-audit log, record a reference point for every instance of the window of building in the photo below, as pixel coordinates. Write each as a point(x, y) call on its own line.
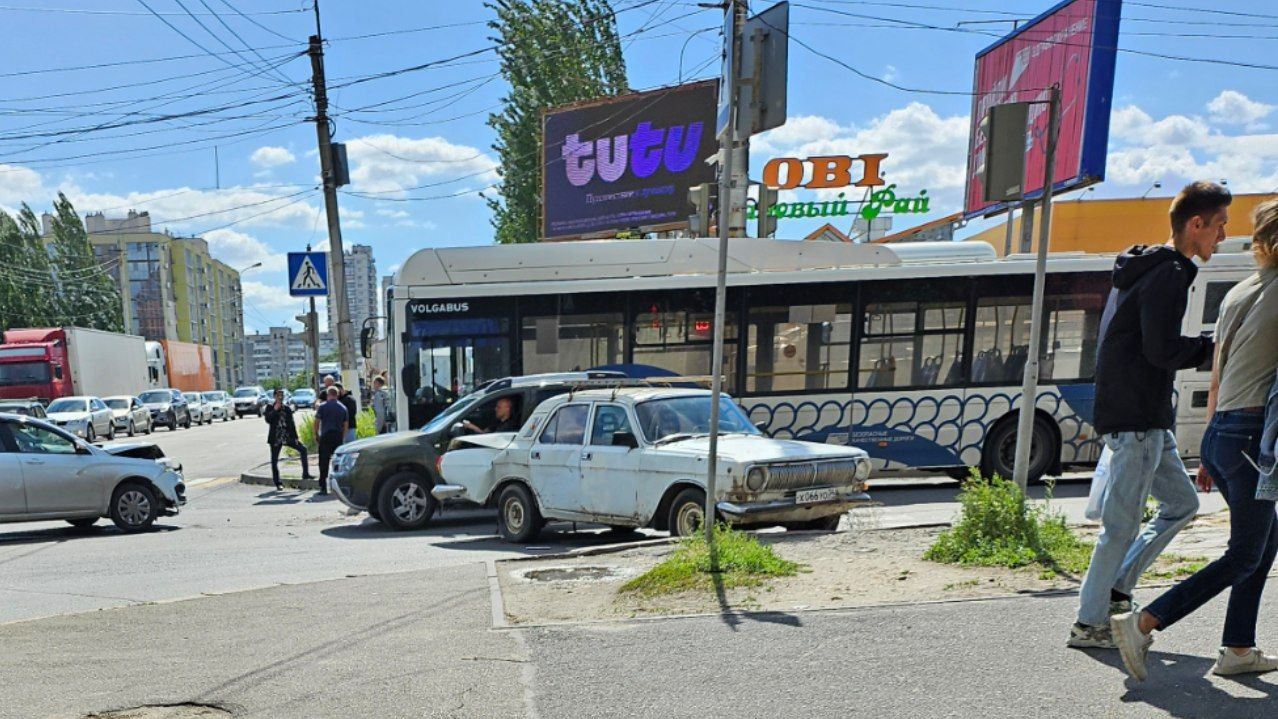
point(912, 334)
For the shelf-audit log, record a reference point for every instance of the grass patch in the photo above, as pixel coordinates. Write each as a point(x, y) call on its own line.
point(742, 562)
point(365, 426)
point(1174, 566)
point(998, 527)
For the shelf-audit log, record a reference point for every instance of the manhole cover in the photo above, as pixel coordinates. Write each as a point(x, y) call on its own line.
point(175, 711)
point(572, 573)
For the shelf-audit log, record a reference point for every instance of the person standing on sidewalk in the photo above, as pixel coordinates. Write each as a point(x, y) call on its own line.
point(381, 405)
point(1241, 381)
point(344, 396)
point(331, 419)
point(282, 432)
point(1140, 350)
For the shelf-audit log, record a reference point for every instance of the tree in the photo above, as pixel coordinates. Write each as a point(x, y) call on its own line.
point(552, 52)
point(86, 294)
point(27, 297)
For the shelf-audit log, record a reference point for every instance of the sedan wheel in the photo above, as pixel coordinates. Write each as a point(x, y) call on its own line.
point(90, 436)
point(111, 432)
point(687, 512)
point(518, 519)
point(405, 501)
point(133, 507)
point(132, 429)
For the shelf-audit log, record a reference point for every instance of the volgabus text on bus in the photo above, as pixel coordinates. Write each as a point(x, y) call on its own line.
point(834, 171)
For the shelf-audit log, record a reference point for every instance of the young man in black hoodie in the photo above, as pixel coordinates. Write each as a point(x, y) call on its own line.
point(1140, 350)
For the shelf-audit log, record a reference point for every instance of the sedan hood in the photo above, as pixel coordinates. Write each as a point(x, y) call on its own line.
point(755, 448)
point(68, 416)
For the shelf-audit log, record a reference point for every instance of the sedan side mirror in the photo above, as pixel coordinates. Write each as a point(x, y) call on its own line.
point(622, 438)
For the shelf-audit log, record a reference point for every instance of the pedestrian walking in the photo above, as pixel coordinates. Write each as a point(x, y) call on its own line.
point(1140, 350)
point(352, 411)
point(332, 420)
point(1242, 384)
point(282, 432)
point(381, 405)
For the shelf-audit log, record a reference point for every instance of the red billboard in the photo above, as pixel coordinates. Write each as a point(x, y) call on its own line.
point(1074, 44)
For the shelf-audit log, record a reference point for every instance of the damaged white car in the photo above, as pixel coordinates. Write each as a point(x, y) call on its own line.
point(636, 457)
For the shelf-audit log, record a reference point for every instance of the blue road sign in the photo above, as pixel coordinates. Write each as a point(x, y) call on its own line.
point(308, 274)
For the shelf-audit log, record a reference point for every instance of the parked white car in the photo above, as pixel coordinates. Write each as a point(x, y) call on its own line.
point(85, 417)
point(201, 413)
point(220, 405)
point(47, 473)
point(129, 414)
point(636, 457)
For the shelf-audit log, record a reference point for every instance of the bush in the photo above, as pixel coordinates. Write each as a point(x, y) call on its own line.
point(998, 527)
point(365, 426)
point(742, 561)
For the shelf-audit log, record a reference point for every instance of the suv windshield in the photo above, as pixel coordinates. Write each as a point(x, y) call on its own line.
point(246, 392)
point(690, 416)
point(117, 403)
point(450, 415)
point(155, 397)
point(69, 405)
point(191, 396)
point(212, 396)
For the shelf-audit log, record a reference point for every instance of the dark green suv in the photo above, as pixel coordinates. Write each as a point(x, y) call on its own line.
point(390, 476)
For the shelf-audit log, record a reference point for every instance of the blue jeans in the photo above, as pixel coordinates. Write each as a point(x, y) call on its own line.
point(1253, 534)
point(1143, 463)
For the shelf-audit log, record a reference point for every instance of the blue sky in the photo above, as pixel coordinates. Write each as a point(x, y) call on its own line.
point(1174, 119)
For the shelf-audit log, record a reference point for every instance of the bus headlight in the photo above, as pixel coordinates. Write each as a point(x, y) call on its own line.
point(756, 478)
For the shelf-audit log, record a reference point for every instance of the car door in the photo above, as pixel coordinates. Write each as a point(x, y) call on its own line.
point(13, 498)
point(101, 417)
point(554, 460)
point(141, 417)
point(610, 475)
point(55, 477)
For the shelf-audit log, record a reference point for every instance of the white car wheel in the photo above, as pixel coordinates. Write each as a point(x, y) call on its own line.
point(687, 512)
point(133, 430)
point(133, 507)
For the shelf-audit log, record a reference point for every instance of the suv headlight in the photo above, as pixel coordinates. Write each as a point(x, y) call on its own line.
point(756, 477)
point(344, 461)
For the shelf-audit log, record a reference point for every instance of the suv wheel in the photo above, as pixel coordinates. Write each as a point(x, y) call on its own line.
point(518, 519)
point(134, 507)
point(111, 431)
point(405, 501)
point(90, 436)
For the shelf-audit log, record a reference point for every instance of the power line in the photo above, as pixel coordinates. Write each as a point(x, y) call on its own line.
point(237, 36)
point(84, 11)
point(247, 17)
point(192, 40)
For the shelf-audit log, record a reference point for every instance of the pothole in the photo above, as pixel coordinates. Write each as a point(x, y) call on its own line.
point(574, 573)
point(170, 711)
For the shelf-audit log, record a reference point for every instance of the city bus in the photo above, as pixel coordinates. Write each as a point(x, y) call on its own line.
point(913, 352)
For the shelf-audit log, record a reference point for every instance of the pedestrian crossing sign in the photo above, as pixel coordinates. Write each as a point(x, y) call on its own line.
point(308, 274)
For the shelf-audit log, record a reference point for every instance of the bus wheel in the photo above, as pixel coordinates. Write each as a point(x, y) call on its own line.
point(998, 457)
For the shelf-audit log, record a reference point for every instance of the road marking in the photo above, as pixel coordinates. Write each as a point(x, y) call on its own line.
point(209, 481)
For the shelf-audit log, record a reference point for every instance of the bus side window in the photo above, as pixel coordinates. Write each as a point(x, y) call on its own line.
point(1213, 295)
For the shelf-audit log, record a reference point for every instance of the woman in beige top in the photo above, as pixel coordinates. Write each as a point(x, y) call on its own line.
point(1246, 360)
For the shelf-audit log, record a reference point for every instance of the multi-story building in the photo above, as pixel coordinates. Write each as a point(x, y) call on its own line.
point(361, 288)
point(280, 353)
point(173, 289)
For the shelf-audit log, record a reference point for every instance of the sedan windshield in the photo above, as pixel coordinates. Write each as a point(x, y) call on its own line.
point(246, 393)
point(15, 408)
point(192, 396)
point(689, 417)
point(156, 397)
point(117, 403)
point(212, 396)
point(69, 405)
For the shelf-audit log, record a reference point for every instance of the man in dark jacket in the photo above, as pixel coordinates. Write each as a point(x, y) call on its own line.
point(331, 421)
point(282, 432)
point(1140, 350)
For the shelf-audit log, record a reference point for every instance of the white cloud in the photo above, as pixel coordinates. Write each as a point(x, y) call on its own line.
point(270, 156)
point(18, 185)
point(239, 250)
point(393, 214)
point(391, 164)
point(1231, 107)
point(889, 73)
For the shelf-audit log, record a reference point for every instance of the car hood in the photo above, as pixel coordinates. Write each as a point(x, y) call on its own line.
point(121, 412)
point(495, 440)
point(68, 416)
point(382, 440)
point(755, 448)
point(156, 405)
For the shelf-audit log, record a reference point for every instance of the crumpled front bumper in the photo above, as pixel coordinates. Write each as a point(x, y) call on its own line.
point(787, 510)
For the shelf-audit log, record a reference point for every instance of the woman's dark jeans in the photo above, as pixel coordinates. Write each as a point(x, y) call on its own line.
point(1253, 534)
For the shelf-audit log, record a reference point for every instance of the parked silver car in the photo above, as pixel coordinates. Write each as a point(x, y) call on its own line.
point(219, 403)
point(85, 417)
point(47, 473)
point(201, 413)
point(129, 414)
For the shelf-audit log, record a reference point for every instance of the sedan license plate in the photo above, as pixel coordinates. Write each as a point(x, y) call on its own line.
point(811, 496)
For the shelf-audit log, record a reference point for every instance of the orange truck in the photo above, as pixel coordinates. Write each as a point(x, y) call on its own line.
point(190, 366)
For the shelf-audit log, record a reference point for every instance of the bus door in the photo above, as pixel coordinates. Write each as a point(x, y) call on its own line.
point(1192, 385)
point(446, 357)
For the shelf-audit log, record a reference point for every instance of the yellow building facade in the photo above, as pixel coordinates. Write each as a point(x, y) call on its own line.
point(1110, 226)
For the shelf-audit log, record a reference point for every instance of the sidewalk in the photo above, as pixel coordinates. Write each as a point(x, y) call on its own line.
point(290, 473)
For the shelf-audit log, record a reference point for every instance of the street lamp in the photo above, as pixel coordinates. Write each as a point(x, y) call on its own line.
point(1156, 186)
point(250, 267)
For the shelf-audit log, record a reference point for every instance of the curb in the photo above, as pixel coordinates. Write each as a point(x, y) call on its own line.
point(265, 480)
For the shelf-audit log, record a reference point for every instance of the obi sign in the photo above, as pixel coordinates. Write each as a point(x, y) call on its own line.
point(832, 172)
point(626, 162)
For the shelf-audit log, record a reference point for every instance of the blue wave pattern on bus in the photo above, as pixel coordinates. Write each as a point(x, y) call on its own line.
point(923, 429)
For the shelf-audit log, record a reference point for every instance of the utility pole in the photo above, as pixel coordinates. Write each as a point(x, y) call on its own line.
point(337, 258)
point(1029, 383)
point(734, 18)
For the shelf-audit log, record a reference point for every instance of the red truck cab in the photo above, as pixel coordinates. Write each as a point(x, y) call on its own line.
point(33, 364)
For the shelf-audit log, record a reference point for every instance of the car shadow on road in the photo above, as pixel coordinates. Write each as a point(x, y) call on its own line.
point(63, 534)
point(1180, 686)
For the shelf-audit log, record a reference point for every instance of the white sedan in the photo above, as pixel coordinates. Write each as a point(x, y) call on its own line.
point(636, 457)
point(86, 417)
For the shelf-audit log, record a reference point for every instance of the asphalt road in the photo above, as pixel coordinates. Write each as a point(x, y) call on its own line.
point(222, 449)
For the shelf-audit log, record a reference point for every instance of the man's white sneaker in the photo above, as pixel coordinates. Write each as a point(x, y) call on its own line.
point(1082, 636)
point(1133, 644)
point(1253, 662)
point(1121, 607)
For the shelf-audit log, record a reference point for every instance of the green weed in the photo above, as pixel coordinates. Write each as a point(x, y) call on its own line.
point(742, 561)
